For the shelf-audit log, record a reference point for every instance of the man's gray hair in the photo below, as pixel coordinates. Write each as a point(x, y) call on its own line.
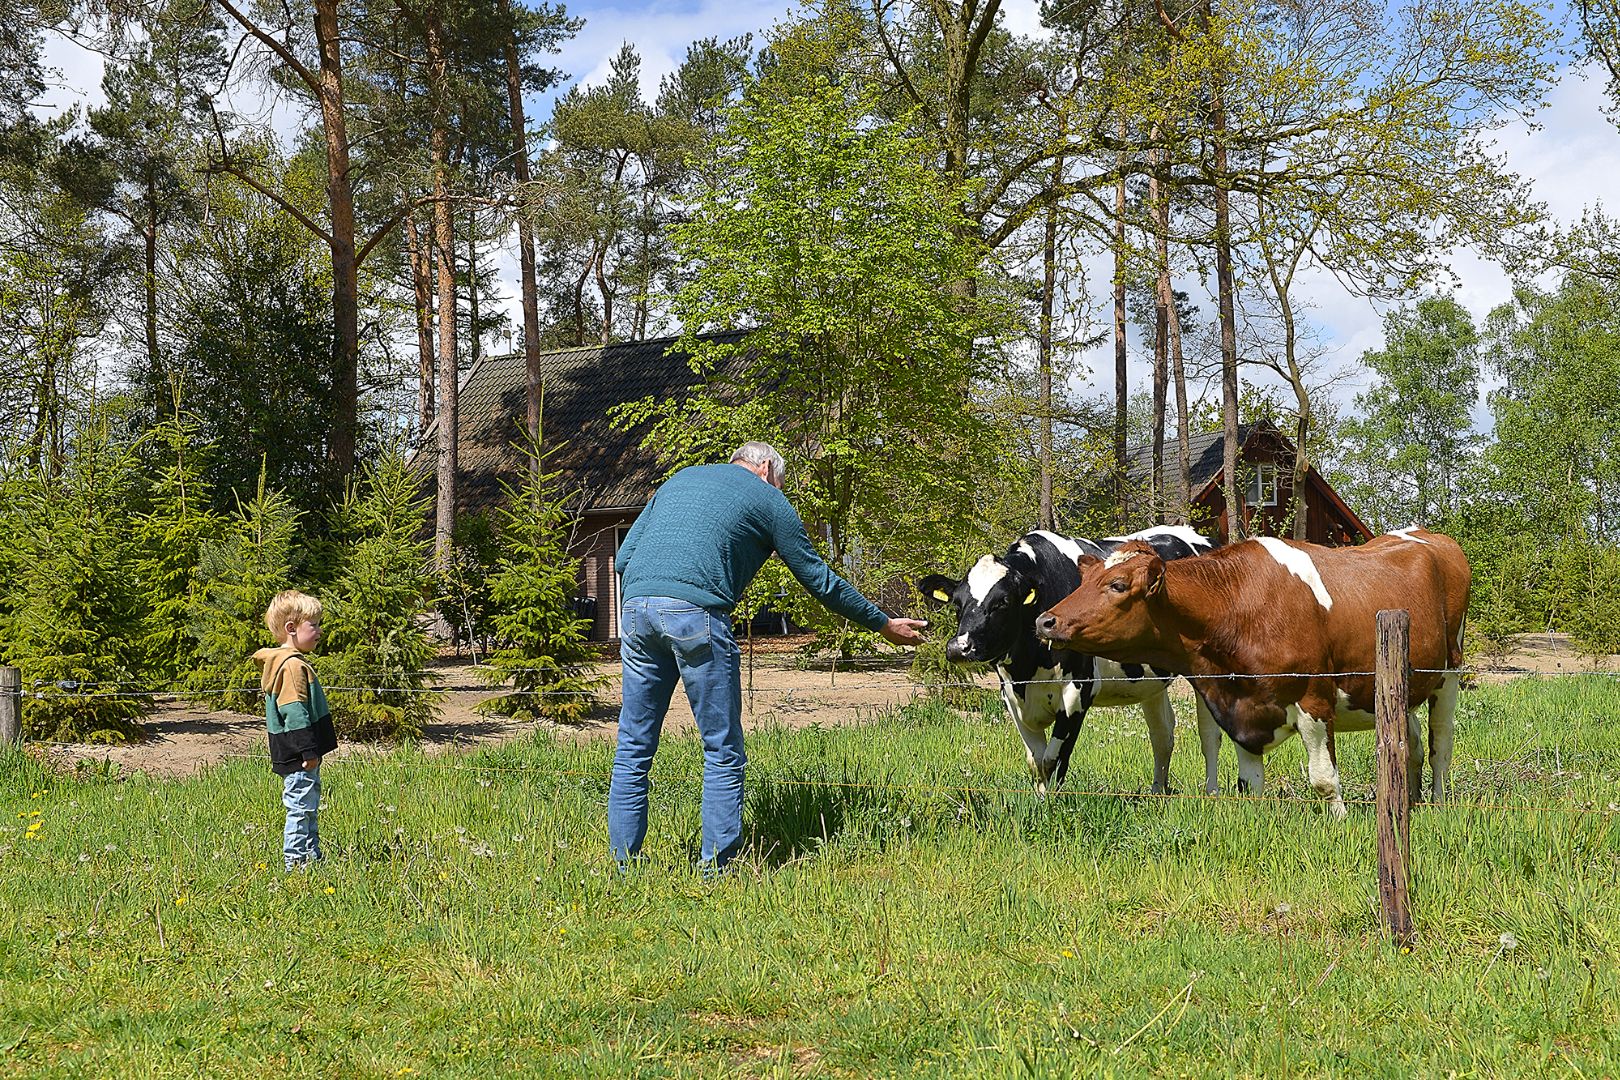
point(758, 453)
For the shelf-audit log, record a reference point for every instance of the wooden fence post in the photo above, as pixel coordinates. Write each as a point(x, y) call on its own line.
point(1394, 842)
point(10, 706)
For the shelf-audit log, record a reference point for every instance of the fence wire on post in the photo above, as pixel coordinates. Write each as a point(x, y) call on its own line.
point(1391, 802)
point(10, 706)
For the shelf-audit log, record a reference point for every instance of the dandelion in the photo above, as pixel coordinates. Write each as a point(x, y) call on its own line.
point(36, 794)
point(1068, 954)
point(1508, 941)
point(329, 890)
point(1284, 908)
point(34, 813)
point(83, 857)
point(34, 826)
point(179, 901)
point(259, 866)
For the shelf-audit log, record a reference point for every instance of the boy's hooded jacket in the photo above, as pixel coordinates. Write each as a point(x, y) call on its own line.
point(295, 710)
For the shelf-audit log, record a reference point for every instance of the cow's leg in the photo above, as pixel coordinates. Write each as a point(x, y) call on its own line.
point(1161, 725)
point(1209, 739)
point(1251, 772)
point(1414, 756)
point(1317, 734)
point(1034, 737)
point(1442, 730)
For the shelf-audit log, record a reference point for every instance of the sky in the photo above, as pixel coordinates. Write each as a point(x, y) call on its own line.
point(1570, 156)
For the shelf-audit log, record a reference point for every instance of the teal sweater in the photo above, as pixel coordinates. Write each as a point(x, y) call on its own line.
point(707, 532)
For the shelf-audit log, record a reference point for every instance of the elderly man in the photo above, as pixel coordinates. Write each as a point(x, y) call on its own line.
point(685, 564)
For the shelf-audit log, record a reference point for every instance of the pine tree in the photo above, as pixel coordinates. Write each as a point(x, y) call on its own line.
point(77, 618)
point(544, 645)
point(236, 579)
point(375, 632)
point(170, 535)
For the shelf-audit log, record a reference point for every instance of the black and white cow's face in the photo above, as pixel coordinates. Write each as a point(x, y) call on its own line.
point(995, 604)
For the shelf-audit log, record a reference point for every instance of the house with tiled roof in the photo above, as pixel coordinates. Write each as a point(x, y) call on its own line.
point(610, 475)
point(1266, 468)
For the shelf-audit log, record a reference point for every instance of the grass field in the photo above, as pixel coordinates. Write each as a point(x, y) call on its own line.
point(910, 908)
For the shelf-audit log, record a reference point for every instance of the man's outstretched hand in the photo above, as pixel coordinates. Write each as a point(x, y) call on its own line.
point(904, 631)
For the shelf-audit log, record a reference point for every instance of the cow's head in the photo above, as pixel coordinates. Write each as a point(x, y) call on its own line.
point(995, 603)
point(1108, 615)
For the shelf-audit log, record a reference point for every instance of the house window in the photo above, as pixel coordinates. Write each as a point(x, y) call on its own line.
point(613, 574)
point(1262, 489)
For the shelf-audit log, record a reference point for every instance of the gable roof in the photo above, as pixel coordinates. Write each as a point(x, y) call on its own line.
point(606, 466)
point(1207, 454)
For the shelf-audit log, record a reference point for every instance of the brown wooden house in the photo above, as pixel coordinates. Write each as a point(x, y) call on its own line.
point(611, 477)
point(1266, 468)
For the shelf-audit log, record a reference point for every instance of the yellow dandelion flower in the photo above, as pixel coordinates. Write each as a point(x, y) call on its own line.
point(179, 900)
point(1068, 954)
point(258, 866)
point(36, 794)
point(34, 827)
point(330, 890)
point(34, 813)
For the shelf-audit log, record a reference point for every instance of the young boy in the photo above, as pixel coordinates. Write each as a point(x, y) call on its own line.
point(297, 718)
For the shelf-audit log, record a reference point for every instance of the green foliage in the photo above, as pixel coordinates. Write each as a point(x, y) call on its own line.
point(376, 610)
point(543, 645)
point(1409, 449)
point(1590, 619)
point(170, 534)
point(76, 619)
point(257, 347)
point(468, 607)
point(237, 575)
point(833, 238)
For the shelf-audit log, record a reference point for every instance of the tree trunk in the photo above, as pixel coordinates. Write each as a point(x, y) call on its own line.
point(421, 264)
point(526, 260)
point(1048, 288)
point(1166, 302)
point(445, 254)
point(345, 265)
point(474, 331)
point(326, 84)
point(1121, 389)
point(1237, 527)
point(1161, 350)
point(154, 364)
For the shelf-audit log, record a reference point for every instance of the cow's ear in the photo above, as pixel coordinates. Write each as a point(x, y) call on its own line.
point(937, 587)
point(1155, 577)
point(1085, 562)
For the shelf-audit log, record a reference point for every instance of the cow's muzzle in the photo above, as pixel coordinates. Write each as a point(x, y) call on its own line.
point(1046, 625)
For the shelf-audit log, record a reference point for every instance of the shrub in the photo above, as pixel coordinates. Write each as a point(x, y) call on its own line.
point(544, 644)
point(376, 644)
point(77, 616)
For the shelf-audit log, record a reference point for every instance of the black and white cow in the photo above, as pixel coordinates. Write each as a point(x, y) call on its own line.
point(1046, 687)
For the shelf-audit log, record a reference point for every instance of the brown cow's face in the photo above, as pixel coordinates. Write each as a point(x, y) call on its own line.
point(1108, 614)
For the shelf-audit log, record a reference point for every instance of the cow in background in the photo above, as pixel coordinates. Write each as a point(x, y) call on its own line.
point(1280, 637)
point(1053, 688)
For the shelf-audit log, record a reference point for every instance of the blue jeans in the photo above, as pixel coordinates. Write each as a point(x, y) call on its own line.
point(301, 795)
point(660, 639)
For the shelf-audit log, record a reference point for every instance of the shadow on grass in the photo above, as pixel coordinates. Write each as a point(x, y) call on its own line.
point(788, 819)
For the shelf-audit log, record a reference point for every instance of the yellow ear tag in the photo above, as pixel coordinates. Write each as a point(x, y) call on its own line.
point(1030, 599)
point(941, 594)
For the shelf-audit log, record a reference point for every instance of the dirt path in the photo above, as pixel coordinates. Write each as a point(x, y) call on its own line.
point(185, 739)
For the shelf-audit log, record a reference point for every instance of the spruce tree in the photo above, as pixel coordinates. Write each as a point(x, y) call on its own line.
point(543, 644)
point(170, 534)
point(375, 633)
point(76, 619)
point(236, 578)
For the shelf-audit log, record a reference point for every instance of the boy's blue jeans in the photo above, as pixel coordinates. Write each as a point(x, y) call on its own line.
point(662, 639)
point(301, 795)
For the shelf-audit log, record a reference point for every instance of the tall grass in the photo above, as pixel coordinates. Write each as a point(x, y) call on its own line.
point(908, 907)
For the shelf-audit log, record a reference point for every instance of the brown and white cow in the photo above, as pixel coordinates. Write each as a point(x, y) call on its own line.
point(1279, 636)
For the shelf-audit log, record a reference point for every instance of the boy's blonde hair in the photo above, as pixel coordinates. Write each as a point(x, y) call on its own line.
point(290, 606)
